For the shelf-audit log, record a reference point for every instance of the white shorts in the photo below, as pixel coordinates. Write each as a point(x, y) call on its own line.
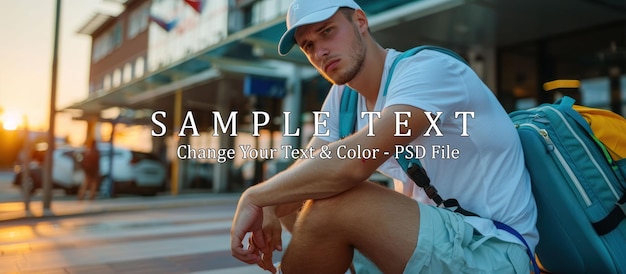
point(447, 244)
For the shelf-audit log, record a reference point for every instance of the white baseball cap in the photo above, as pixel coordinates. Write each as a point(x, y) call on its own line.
point(304, 12)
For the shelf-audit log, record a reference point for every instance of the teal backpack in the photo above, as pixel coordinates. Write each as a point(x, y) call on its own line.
point(412, 166)
point(579, 190)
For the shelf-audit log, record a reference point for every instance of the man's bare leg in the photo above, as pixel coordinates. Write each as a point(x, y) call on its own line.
point(380, 223)
point(93, 188)
point(82, 190)
point(289, 221)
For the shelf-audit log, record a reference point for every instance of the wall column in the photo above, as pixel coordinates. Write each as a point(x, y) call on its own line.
point(176, 175)
point(293, 103)
point(221, 172)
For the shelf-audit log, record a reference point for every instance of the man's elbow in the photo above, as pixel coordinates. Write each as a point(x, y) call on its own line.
point(354, 173)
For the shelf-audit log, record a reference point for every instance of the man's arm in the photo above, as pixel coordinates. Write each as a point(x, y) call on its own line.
point(317, 178)
point(321, 178)
point(287, 212)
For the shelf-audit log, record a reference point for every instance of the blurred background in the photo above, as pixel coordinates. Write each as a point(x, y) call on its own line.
point(120, 61)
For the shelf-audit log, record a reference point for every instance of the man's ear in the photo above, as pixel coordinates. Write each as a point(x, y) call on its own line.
point(361, 21)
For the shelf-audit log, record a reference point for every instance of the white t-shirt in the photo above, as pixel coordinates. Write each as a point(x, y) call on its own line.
point(489, 177)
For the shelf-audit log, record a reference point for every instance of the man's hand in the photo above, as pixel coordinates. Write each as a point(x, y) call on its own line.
point(248, 218)
point(272, 233)
point(272, 229)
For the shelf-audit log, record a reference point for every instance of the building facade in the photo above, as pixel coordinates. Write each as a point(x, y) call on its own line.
point(183, 62)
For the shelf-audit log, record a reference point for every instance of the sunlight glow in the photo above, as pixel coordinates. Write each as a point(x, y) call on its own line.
point(16, 234)
point(10, 121)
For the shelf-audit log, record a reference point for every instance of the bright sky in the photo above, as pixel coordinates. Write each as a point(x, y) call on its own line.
point(27, 32)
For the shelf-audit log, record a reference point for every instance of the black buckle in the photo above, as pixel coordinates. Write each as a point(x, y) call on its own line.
point(418, 174)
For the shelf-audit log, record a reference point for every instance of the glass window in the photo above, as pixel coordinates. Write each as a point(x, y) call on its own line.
point(117, 77)
point(263, 11)
point(623, 85)
point(118, 36)
point(138, 21)
point(127, 74)
point(140, 67)
point(104, 44)
point(106, 83)
point(596, 92)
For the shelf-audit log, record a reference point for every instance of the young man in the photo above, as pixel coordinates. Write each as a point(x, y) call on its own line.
point(343, 213)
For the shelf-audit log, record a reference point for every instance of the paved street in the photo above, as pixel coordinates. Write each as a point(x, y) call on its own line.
point(179, 240)
point(8, 193)
point(165, 234)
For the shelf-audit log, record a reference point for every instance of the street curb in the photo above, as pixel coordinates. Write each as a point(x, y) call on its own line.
point(113, 206)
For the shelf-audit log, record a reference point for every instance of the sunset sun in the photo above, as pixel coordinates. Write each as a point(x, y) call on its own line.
point(10, 121)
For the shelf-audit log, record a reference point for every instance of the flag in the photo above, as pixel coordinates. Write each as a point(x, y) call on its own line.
point(167, 26)
point(197, 5)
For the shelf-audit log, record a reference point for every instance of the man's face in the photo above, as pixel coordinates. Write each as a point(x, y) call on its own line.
point(334, 47)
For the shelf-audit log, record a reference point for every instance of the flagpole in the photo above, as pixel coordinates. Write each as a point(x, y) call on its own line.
point(47, 178)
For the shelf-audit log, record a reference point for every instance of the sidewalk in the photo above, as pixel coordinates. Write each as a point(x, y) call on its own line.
point(15, 210)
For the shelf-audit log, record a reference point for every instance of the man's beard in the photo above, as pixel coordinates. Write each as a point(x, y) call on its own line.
point(356, 62)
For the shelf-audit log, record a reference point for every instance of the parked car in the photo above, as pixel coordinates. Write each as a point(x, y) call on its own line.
point(134, 172)
point(63, 174)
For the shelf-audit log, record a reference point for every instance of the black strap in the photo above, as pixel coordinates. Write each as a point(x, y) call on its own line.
point(615, 217)
point(413, 167)
point(417, 173)
point(419, 176)
point(453, 204)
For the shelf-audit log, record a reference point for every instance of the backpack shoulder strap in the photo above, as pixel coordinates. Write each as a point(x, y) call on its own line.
point(348, 115)
point(349, 97)
point(347, 112)
point(414, 51)
point(411, 166)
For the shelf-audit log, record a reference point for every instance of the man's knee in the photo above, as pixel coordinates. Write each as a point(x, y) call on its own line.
point(316, 214)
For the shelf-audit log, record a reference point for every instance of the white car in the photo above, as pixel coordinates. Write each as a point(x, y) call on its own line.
point(133, 172)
